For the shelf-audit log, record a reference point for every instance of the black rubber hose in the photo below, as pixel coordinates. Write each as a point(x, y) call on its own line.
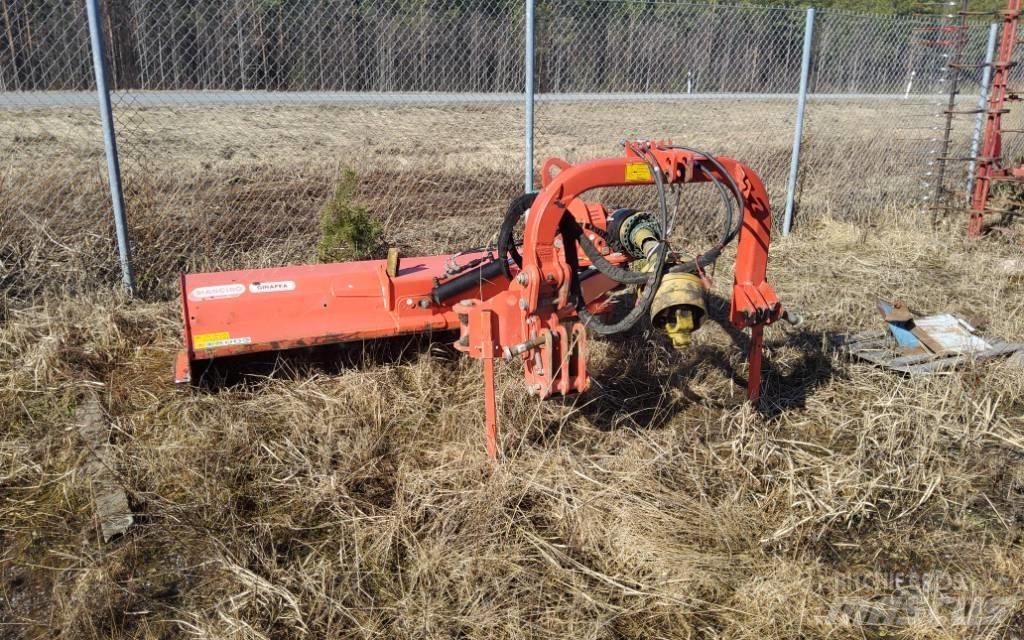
point(653, 279)
point(641, 309)
point(735, 188)
point(723, 194)
point(650, 280)
point(506, 242)
point(729, 232)
point(625, 276)
point(616, 273)
point(705, 259)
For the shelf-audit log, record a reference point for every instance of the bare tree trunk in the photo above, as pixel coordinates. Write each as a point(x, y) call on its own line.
point(112, 51)
point(241, 48)
point(10, 43)
point(28, 28)
point(422, 72)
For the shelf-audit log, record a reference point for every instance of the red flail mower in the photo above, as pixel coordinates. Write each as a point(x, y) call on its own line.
point(533, 300)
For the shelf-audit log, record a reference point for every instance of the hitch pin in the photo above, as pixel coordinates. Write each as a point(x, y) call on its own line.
point(522, 347)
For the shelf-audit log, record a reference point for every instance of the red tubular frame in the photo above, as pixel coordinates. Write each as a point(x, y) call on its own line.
point(989, 164)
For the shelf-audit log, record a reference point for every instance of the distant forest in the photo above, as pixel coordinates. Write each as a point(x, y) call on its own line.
point(470, 45)
point(888, 7)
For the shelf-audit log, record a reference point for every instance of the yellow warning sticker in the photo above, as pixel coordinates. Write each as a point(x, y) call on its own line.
point(204, 340)
point(638, 172)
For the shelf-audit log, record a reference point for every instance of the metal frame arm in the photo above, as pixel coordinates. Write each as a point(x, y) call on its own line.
point(754, 301)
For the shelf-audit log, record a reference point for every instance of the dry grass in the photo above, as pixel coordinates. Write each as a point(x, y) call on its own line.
point(352, 499)
point(220, 187)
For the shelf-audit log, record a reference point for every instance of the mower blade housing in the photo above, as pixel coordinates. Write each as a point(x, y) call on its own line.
point(249, 311)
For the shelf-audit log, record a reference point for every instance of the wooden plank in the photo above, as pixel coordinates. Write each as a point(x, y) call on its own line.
point(866, 340)
point(110, 500)
point(945, 364)
point(873, 347)
point(1002, 349)
point(917, 358)
point(874, 357)
point(935, 366)
point(853, 339)
point(947, 333)
point(998, 349)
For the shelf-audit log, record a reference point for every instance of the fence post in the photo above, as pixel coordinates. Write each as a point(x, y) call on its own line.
point(99, 58)
point(801, 105)
point(528, 53)
point(986, 77)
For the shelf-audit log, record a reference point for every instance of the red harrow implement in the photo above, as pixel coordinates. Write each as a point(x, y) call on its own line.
point(990, 165)
point(532, 300)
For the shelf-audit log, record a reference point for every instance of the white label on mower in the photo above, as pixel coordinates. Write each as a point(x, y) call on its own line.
point(230, 342)
point(218, 291)
point(271, 287)
point(227, 342)
point(217, 339)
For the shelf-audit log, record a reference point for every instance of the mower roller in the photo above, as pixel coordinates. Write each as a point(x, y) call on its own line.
point(532, 300)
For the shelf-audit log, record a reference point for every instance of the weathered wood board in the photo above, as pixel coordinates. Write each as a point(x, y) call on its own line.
point(878, 348)
point(110, 500)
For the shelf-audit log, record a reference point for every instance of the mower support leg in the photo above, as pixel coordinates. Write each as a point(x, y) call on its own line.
point(756, 352)
point(488, 348)
point(490, 410)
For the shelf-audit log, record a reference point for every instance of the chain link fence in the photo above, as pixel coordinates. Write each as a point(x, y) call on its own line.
point(236, 119)
point(878, 89)
point(721, 79)
point(56, 230)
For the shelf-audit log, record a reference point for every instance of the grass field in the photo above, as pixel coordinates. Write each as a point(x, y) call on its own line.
point(350, 498)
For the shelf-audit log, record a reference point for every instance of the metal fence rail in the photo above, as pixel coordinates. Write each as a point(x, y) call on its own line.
point(234, 119)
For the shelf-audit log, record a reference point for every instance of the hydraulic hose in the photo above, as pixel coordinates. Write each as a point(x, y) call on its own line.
point(650, 281)
point(731, 230)
point(616, 273)
point(653, 278)
point(641, 309)
point(728, 233)
point(506, 242)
